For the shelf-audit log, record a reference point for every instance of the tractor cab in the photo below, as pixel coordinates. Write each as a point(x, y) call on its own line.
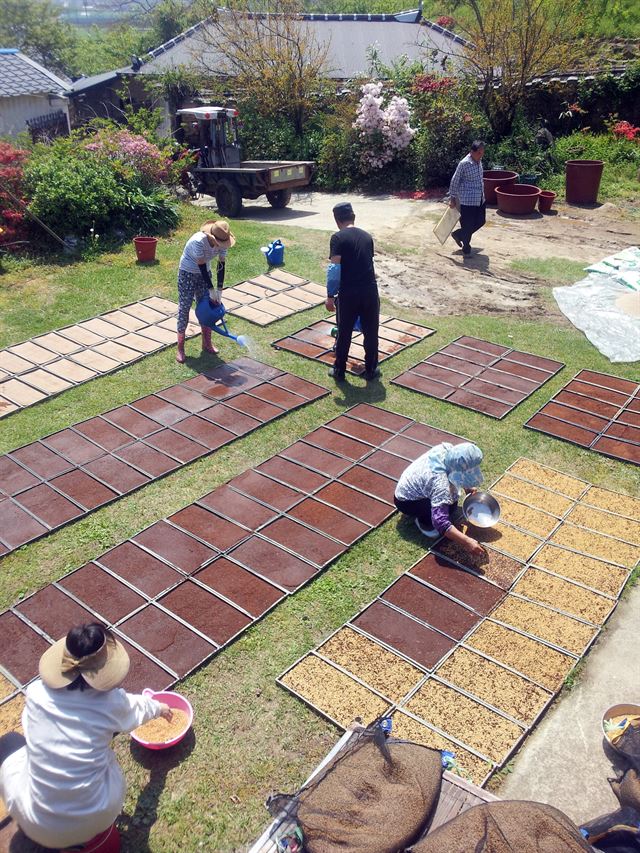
point(213, 133)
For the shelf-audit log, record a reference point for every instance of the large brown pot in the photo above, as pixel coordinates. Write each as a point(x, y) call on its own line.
point(582, 181)
point(518, 199)
point(493, 178)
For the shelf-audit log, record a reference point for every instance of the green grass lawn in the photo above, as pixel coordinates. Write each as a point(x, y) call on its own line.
point(251, 737)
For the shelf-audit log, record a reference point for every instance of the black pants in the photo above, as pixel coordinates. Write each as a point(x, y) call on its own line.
point(353, 304)
point(472, 218)
point(10, 743)
point(420, 509)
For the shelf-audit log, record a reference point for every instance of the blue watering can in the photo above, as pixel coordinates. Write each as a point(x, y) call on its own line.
point(274, 253)
point(211, 315)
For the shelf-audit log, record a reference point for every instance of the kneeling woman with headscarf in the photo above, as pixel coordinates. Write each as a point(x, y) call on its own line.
point(61, 782)
point(428, 490)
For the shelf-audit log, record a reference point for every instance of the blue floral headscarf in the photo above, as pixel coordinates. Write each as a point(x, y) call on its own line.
point(459, 462)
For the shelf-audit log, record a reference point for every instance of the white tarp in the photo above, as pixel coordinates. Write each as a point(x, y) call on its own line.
point(591, 306)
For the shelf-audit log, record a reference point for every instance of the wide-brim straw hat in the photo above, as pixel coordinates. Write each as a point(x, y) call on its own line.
point(220, 233)
point(102, 670)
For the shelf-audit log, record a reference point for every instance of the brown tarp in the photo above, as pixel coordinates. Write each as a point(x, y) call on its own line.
point(376, 799)
point(506, 827)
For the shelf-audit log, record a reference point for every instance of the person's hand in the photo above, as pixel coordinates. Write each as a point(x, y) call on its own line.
point(166, 712)
point(471, 491)
point(453, 202)
point(330, 303)
point(475, 548)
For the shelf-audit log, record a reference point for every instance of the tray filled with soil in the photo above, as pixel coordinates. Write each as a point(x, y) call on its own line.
point(596, 545)
point(493, 565)
point(526, 518)
point(548, 477)
point(6, 687)
point(612, 501)
point(332, 692)
point(471, 766)
point(11, 715)
point(535, 496)
point(564, 595)
point(606, 522)
point(510, 693)
point(596, 574)
point(547, 667)
point(545, 624)
point(378, 667)
point(466, 720)
point(513, 542)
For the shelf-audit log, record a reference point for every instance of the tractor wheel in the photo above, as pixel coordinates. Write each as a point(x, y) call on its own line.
point(228, 198)
point(279, 198)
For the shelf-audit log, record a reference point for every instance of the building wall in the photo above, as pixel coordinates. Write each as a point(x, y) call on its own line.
point(15, 111)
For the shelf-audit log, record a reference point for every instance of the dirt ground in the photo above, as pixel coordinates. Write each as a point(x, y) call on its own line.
point(414, 270)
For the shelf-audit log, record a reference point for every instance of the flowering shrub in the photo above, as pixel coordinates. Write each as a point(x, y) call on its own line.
point(383, 131)
point(432, 83)
point(446, 21)
point(442, 108)
point(625, 130)
point(12, 222)
point(133, 153)
point(110, 180)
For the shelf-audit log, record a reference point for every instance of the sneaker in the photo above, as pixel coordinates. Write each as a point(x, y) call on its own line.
point(426, 531)
point(338, 375)
point(370, 375)
point(455, 236)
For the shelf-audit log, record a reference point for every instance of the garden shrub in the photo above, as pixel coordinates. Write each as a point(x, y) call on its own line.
point(448, 122)
point(12, 219)
point(110, 180)
point(521, 151)
point(598, 146)
point(72, 192)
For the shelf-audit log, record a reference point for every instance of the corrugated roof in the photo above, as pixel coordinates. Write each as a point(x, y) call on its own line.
point(20, 75)
point(349, 38)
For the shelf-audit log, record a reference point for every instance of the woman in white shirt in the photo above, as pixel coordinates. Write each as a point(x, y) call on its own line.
point(194, 276)
point(61, 783)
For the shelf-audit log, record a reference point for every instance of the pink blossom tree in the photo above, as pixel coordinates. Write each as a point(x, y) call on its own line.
point(384, 130)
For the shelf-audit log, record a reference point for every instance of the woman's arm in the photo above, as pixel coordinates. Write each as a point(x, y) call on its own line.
point(441, 520)
point(134, 710)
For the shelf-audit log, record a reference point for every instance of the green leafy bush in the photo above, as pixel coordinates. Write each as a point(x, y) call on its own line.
point(101, 182)
point(71, 193)
point(600, 146)
point(521, 152)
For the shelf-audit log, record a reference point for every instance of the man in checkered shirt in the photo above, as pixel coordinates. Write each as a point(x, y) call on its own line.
point(466, 191)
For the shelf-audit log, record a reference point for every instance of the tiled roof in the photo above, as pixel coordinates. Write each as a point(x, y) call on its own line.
point(347, 36)
point(20, 75)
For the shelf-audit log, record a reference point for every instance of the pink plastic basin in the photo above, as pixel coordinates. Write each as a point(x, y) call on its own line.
point(173, 700)
point(519, 199)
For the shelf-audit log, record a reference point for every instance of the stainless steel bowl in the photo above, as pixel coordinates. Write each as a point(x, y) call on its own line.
point(481, 509)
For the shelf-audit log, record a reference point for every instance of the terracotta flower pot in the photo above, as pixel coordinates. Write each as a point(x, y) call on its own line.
point(145, 248)
point(493, 178)
point(582, 181)
point(519, 199)
point(545, 200)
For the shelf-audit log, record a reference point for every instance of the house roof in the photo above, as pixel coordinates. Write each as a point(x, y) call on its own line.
point(20, 75)
point(84, 83)
point(349, 37)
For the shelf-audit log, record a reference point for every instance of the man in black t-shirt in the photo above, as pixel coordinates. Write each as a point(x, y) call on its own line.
point(351, 251)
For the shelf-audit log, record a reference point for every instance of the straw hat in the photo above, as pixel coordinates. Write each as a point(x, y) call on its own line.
point(220, 233)
point(104, 669)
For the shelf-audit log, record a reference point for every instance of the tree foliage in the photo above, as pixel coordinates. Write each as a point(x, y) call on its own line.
point(35, 27)
point(273, 58)
point(515, 41)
